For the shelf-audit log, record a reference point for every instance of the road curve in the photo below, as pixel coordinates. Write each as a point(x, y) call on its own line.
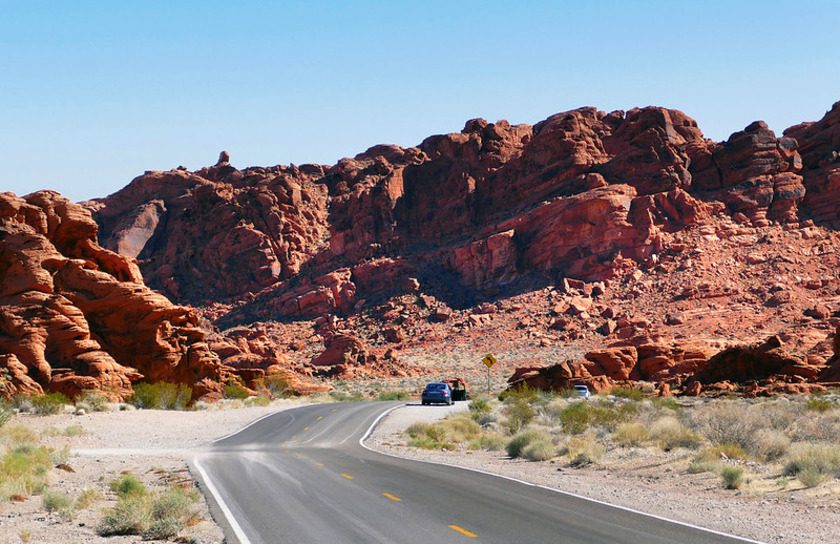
point(301, 476)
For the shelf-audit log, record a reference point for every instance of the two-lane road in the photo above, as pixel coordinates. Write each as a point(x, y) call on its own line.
point(301, 476)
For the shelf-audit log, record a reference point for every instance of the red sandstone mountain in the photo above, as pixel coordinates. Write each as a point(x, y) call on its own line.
point(472, 234)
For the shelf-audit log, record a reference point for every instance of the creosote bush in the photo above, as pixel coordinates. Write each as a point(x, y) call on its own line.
point(56, 502)
point(670, 434)
point(127, 484)
point(48, 403)
point(236, 391)
point(733, 477)
point(627, 393)
point(161, 396)
point(631, 434)
point(392, 395)
point(153, 517)
point(517, 445)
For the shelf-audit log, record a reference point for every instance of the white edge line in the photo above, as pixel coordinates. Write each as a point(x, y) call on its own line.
point(234, 525)
point(252, 424)
point(531, 484)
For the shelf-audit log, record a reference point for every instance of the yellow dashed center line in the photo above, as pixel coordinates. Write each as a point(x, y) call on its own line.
point(319, 418)
point(294, 437)
point(345, 475)
point(463, 531)
point(392, 497)
point(319, 464)
point(305, 429)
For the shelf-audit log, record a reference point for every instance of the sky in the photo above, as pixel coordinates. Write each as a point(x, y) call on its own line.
point(92, 94)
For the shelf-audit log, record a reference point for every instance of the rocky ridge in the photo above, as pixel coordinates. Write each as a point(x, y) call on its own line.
point(587, 231)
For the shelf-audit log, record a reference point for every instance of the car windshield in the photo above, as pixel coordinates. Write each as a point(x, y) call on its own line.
point(436, 387)
point(580, 387)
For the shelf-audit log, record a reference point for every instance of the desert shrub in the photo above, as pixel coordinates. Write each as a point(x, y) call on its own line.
point(174, 503)
point(809, 461)
point(524, 392)
point(539, 450)
point(18, 435)
point(340, 396)
point(236, 391)
point(48, 403)
point(55, 502)
point(582, 450)
point(699, 466)
point(161, 396)
point(631, 434)
point(460, 428)
point(577, 417)
point(489, 442)
point(92, 402)
point(257, 401)
point(74, 430)
point(6, 412)
point(517, 445)
point(733, 477)
point(126, 485)
point(428, 436)
point(667, 403)
point(392, 395)
point(727, 423)
point(278, 386)
point(519, 413)
point(817, 427)
point(627, 393)
point(157, 517)
point(479, 408)
point(811, 477)
point(670, 433)
point(87, 498)
point(130, 516)
point(770, 445)
point(722, 452)
point(819, 404)
point(23, 470)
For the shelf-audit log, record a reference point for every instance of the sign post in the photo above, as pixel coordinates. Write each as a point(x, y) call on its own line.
point(488, 361)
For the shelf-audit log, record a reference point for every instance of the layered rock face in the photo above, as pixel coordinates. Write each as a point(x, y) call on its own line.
point(76, 317)
point(494, 211)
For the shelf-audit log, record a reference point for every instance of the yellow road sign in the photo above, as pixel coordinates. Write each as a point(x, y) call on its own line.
point(489, 360)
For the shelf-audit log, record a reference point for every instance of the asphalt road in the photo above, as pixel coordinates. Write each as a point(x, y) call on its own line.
point(301, 476)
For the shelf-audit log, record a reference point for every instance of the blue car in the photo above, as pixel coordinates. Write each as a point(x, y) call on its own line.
point(437, 392)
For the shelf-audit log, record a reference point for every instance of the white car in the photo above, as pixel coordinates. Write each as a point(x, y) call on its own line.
point(582, 391)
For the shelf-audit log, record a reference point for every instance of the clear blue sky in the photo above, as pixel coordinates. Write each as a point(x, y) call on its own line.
point(94, 93)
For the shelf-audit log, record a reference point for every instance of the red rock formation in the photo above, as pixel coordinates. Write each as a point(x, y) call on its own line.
point(819, 144)
point(74, 315)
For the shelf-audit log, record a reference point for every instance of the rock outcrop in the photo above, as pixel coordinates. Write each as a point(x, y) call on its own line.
point(76, 317)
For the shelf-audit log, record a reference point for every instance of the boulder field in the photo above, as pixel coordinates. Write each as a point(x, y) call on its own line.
point(608, 247)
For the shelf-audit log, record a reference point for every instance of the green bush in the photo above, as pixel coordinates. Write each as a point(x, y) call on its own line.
point(236, 391)
point(812, 462)
point(392, 395)
point(161, 396)
point(87, 498)
point(479, 408)
point(6, 412)
point(539, 450)
point(48, 403)
point(92, 402)
point(519, 413)
point(819, 404)
point(631, 434)
point(24, 469)
point(733, 477)
point(811, 476)
point(74, 430)
point(516, 446)
point(278, 386)
point(127, 485)
point(627, 393)
point(53, 501)
point(670, 434)
point(257, 401)
point(154, 518)
point(578, 416)
point(489, 442)
point(130, 516)
point(340, 396)
point(523, 391)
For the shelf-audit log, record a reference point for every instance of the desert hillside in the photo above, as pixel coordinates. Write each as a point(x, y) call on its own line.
point(593, 247)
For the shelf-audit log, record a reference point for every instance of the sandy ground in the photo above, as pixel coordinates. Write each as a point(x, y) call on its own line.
point(154, 445)
point(644, 482)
